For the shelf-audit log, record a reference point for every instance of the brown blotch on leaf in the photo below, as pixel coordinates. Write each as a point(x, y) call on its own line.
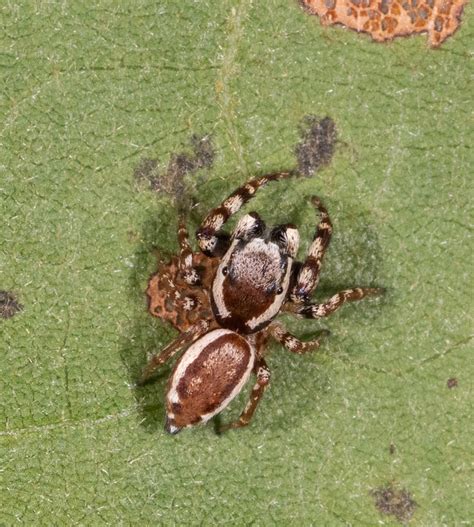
point(395, 502)
point(317, 146)
point(439, 18)
point(452, 383)
point(9, 305)
point(171, 181)
point(162, 285)
point(146, 170)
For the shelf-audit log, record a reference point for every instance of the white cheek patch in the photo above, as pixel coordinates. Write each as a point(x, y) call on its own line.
point(274, 308)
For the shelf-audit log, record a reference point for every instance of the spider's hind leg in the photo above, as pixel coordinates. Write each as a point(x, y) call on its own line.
point(184, 339)
point(263, 379)
point(293, 344)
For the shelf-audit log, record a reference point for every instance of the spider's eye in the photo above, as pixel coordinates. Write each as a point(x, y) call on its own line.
point(279, 290)
point(225, 270)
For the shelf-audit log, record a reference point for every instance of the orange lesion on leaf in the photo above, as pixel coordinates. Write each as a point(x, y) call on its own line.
point(168, 293)
point(386, 19)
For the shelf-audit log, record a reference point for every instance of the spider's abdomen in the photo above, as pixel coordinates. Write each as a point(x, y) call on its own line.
point(207, 377)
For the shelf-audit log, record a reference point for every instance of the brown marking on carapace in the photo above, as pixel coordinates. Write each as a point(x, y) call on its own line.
point(209, 379)
point(167, 291)
point(439, 18)
point(247, 303)
point(9, 306)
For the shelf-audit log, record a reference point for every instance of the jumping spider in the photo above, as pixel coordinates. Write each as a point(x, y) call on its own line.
point(223, 301)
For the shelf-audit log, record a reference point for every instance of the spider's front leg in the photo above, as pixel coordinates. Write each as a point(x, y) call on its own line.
point(308, 274)
point(185, 338)
point(211, 241)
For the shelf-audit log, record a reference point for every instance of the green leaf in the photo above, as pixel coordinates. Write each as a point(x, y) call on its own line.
point(88, 92)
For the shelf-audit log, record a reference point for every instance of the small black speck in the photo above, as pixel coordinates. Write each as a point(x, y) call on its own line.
point(452, 383)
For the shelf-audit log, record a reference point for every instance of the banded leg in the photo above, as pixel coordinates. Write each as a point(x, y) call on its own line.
point(336, 301)
point(263, 380)
point(291, 343)
point(308, 275)
point(188, 272)
point(211, 242)
point(187, 337)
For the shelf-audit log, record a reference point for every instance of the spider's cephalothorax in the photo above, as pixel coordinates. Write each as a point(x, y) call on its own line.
point(223, 301)
point(253, 277)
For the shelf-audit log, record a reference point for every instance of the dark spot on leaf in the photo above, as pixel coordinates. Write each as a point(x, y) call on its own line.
point(172, 180)
point(452, 383)
point(317, 146)
point(146, 170)
point(391, 449)
point(9, 306)
point(203, 150)
point(395, 502)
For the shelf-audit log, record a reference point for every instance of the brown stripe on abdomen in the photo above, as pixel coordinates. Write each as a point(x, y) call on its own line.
point(213, 373)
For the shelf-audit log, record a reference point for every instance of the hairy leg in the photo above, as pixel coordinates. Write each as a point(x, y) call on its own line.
point(313, 310)
point(293, 344)
point(308, 274)
point(213, 243)
point(263, 380)
point(185, 338)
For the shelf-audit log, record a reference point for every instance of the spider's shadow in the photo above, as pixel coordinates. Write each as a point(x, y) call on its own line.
point(354, 258)
point(145, 334)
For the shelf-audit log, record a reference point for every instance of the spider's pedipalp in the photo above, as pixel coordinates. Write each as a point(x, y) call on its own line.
point(287, 238)
point(249, 226)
